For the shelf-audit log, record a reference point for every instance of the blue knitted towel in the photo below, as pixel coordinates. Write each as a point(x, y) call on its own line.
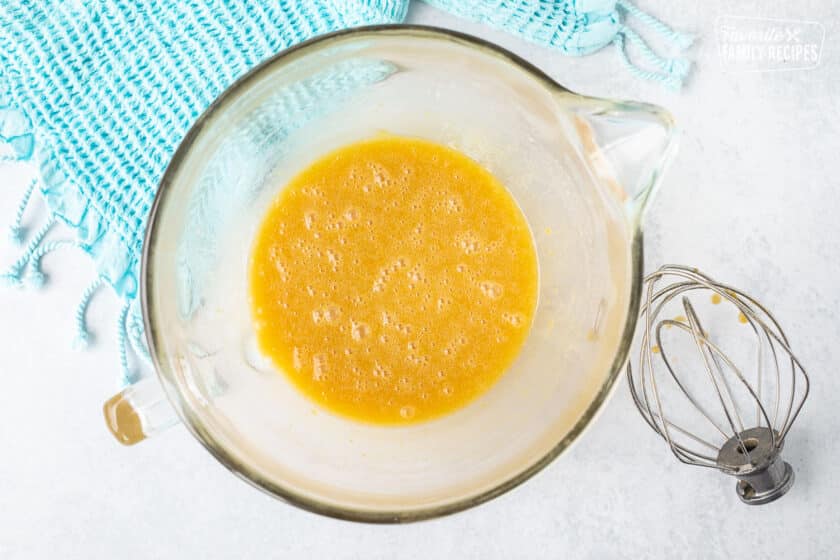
point(96, 94)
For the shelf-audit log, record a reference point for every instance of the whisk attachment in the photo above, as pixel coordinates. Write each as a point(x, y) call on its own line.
point(723, 393)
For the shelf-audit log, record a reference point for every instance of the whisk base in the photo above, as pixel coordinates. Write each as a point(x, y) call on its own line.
point(754, 458)
point(750, 496)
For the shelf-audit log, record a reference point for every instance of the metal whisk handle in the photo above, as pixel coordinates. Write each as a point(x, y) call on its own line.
point(762, 474)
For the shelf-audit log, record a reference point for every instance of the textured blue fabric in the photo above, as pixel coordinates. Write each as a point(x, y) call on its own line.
point(98, 93)
point(580, 27)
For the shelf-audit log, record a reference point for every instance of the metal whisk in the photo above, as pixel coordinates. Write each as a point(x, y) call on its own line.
point(723, 393)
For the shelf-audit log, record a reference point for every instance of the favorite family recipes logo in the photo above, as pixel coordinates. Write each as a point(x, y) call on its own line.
point(764, 45)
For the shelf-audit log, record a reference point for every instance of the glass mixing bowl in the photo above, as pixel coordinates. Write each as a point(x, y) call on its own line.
point(581, 169)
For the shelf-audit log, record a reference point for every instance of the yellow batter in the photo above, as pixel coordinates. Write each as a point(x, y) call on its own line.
point(394, 280)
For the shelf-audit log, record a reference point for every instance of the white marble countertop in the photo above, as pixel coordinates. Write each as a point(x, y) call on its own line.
point(751, 198)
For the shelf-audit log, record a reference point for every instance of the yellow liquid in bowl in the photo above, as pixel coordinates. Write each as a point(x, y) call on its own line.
point(394, 280)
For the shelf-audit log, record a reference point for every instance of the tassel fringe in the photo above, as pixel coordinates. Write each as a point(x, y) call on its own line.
point(670, 72)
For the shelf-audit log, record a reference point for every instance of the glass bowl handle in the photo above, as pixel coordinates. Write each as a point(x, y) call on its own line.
point(139, 411)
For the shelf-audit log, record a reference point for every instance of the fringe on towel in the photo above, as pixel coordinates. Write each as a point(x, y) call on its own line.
point(17, 150)
point(670, 72)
